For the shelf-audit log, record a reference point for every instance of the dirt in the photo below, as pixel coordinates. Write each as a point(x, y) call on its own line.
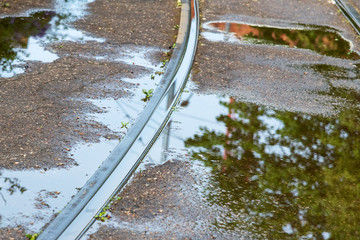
point(44, 113)
point(44, 109)
point(13, 234)
point(355, 4)
point(164, 202)
point(13, 7)
point(136, 22)
point(274, 76)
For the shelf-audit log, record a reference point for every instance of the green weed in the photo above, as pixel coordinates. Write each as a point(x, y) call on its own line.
point(124, 125)
point(164, 63)
point(159, 72)
point(178, 4)
point(148, 94)
point(103, 216)
point(32, 236)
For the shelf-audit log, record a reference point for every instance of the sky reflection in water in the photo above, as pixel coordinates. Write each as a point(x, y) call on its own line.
point(293, 175)
point(23, 38)
point(290, 175)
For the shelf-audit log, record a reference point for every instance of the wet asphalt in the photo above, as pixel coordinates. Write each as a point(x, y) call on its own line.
point(162, 202)
point(44, 109)
point(275, 76)
point(278, 77)
point(355, 4)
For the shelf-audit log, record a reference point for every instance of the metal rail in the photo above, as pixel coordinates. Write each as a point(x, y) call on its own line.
point(350, 13)
point(78, 215)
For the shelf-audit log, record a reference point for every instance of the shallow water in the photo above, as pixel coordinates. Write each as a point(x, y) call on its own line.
point(30, 197)
point(320, 39)
point(23, 38)
point(281, 175)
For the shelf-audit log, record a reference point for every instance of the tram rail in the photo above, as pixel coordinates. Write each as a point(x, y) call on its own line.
point(79, 214)
point(350, 12)
point(75, 219)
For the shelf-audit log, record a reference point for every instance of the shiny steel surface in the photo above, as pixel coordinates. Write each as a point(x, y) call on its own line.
point(112, 175)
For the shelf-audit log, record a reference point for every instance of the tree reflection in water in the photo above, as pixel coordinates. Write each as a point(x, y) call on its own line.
point(324, 40)
point(11, 185)
point(294, 175)
point(15, 33)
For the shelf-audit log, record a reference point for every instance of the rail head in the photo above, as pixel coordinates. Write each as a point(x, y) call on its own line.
point(350, 13)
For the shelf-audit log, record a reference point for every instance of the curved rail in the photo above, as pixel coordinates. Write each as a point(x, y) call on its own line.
point(350, 13)
point(78, 215)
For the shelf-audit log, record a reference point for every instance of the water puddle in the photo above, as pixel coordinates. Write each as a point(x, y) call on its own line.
point(336, 72)
point(23, 38)
point(30, 198)
point(343, 81)
point(279, 174)
point(325, 41)
point(131, 55)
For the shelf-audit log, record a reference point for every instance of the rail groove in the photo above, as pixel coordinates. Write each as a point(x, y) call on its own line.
point(78, 215)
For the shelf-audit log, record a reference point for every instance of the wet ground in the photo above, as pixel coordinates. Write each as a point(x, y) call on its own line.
point(20, 6)
point(282, 71)
point(355, 4)
point(250, 173)
point(56, 84)
point(47, 102)
point(167, 206)
point(273, 155)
